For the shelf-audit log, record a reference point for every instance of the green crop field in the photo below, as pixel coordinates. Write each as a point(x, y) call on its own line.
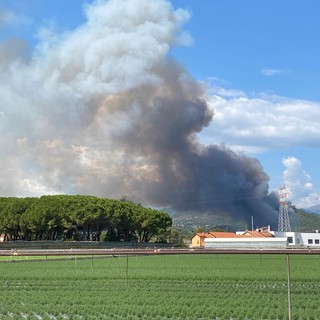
point(161, 287)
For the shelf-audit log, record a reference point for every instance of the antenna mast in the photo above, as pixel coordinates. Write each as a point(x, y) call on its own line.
point(283, 222)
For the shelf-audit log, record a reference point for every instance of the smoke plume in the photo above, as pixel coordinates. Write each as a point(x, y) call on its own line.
point(104, 110)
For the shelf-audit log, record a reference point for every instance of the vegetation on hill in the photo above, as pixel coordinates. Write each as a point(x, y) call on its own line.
point(303, 221)
point(206, 223)
point(300, 220)
point(78, 217)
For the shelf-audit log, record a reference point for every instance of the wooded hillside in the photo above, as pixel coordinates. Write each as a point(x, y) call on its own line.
point(78, 217)
point(303, 221)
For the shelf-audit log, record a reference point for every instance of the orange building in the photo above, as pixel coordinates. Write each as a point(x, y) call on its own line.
point(198, 240)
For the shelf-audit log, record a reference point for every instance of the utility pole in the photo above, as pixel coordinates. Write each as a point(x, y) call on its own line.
point(289, 287)
point(127, 269)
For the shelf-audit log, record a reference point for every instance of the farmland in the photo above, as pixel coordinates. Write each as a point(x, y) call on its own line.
point(161, 287)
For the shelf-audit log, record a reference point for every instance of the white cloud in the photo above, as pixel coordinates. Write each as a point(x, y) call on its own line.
point(215, 87)
point(299, 184)
point(262, 123)
point(8, 17)
point(274, 72)
point(35, 188)
point(227, 93)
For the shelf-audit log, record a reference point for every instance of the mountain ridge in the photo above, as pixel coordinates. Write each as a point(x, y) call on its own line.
point(301, 220)
point(314, 209)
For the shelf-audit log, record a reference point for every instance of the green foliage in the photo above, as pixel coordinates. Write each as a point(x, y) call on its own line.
point(79, 217)
point(162, 287)
point(11, 210)
point(303, 221)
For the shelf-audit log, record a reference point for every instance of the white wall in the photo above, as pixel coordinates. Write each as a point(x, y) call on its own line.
point(246, 243)
point(300, 238)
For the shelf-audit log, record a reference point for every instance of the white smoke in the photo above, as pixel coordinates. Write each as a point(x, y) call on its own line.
point(299, 184)
point(55, 109)
point(103, 110)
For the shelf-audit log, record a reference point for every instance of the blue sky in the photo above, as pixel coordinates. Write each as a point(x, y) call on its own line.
point(259, 62)
point(262, 48)
point(236, 40)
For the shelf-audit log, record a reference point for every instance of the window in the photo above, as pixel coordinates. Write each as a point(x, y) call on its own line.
point(310, 241)
point(316, 241)
point(290, 240)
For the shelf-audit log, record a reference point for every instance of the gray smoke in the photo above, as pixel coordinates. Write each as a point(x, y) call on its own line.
point(103, 110)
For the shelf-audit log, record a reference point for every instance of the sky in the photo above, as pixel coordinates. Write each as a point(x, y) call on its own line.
point(260, 62)
point(257, 62)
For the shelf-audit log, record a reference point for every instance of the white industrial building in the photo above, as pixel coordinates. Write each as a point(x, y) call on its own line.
point(250, 239)
point(246, 243)
point(262, 238)
point(299, 238)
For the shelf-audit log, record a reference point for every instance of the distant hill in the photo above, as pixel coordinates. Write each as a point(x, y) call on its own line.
point(314, 209)
point(206, 222)
point(303, 221)
point(300, 220)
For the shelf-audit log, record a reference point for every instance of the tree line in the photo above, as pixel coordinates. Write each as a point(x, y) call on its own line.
point(79, 217)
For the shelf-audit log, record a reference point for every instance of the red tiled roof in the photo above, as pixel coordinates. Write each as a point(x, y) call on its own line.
point(246, 234)
point(204, 235)
point(220, 234)
point(257, 234)
point(217, 234)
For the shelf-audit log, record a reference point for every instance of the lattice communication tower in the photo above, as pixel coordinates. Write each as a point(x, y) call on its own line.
point(283, 222)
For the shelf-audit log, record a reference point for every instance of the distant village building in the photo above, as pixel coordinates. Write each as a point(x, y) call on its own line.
point(262, 238)
point(198, 240)
point(2, 236)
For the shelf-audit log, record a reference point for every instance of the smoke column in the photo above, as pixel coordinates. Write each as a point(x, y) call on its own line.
point(103, 110)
